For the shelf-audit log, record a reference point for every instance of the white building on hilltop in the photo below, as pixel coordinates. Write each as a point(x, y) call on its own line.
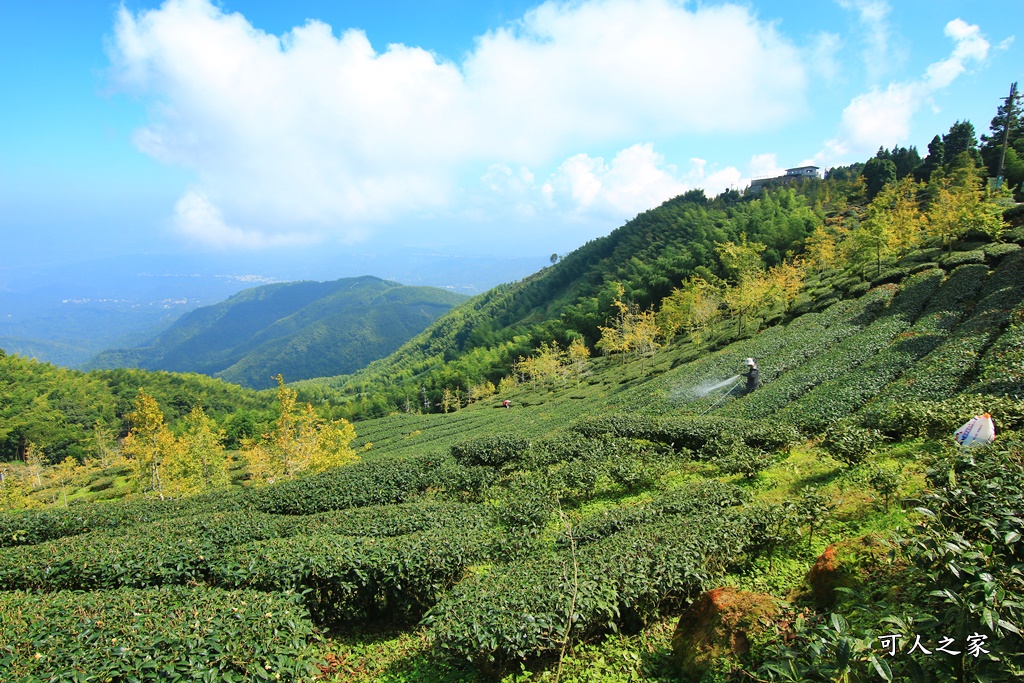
point(791, 175)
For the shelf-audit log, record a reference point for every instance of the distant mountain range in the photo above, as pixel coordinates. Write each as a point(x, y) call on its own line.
point(298, 329)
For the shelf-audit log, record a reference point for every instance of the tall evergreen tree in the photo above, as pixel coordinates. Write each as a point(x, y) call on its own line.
point(961, 138)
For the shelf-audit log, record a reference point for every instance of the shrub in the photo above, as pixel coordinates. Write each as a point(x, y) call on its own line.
point(851, 444)
point(490, 451)
point(164, 634)
point(365, 483)
point(959, 258)
point(533, 606)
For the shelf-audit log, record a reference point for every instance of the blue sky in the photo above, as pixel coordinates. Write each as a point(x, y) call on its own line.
point(266, 130)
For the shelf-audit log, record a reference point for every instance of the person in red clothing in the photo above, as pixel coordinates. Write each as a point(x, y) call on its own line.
point(507, 403)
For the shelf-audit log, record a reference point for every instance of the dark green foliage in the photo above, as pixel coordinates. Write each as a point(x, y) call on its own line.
point(166, 634)
point(939, 419)
point(490, 451)
point(347, 578)
point(531, 607)
point(959, 258)
point(878, 172)
point(379, 482)
point(691, 433)
point(851, 444)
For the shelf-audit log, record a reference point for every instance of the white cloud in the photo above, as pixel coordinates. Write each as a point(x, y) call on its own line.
point(200, 221)
point(874, 16)
point(316, 133)
point(635, 180)
point(883, 116)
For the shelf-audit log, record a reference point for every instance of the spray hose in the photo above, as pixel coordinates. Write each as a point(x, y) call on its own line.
point(720, 398)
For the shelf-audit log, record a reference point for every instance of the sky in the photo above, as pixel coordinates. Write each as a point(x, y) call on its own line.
point(262, 131)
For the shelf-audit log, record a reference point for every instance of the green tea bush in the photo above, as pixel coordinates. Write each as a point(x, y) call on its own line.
point(994, 252)
point(186, 550)
point(165, 634)
point(378, 482)
point(817, 355)
point(851, 444)
point(27, 527)
point(1002, 366)
point(950, 367)
point(939, 419)
point(834, 400)
point(174, 551)
point(692, 432)
point(532, 607)
point(490, 451)
point(707, 497)
point(959, 258)
point(352, 579)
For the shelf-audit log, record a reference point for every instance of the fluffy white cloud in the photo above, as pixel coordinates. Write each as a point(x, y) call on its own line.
point(313, 133)
point(635, 180)
point(874, 16)
point(883, 116)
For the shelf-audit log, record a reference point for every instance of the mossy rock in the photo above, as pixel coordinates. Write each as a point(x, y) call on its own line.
point(855, 564)
point(719, 625)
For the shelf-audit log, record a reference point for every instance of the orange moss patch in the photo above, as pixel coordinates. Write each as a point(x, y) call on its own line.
point(718, 625)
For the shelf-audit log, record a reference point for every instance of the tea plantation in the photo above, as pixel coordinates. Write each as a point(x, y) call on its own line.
point(560, 538)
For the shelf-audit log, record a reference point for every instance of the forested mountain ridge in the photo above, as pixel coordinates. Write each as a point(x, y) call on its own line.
point(648, 257)
point(298, 329)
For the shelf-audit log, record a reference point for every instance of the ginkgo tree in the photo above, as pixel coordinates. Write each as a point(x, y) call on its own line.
point(301, 443)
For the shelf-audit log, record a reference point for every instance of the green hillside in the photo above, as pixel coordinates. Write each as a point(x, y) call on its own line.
point(457, 548)
point(619, 507)
point(298, 329)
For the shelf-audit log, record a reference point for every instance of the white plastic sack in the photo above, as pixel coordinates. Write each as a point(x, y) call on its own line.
point(978, 431)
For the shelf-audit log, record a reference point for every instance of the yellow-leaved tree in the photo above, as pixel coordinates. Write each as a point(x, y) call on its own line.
point(203, 461)
point(302, 442)
point(632, 331)
point(691, 309)
point(151, 449)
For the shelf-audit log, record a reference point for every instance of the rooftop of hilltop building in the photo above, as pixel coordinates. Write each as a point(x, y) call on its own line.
point(791, 175)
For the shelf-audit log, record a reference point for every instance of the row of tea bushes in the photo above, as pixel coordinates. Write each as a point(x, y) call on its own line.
point(776, 348)
point(189, 550)
point(27, 527)
point(363, 484)
point(387, 481)
point(707, 497)
point(691, 433)
point(352, 579)
point(534, 606)
point(951, 366)
point(161, 634)
point(833, 400)
point(831, 358)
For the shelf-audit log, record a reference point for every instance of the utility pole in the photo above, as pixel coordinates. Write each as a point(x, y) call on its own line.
point(1006, 133)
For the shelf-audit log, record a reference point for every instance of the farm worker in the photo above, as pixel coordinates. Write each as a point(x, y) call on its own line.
point(507, 403)
point(752, 374)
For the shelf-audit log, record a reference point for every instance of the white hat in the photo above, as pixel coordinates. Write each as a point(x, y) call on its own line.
point(750, 361)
